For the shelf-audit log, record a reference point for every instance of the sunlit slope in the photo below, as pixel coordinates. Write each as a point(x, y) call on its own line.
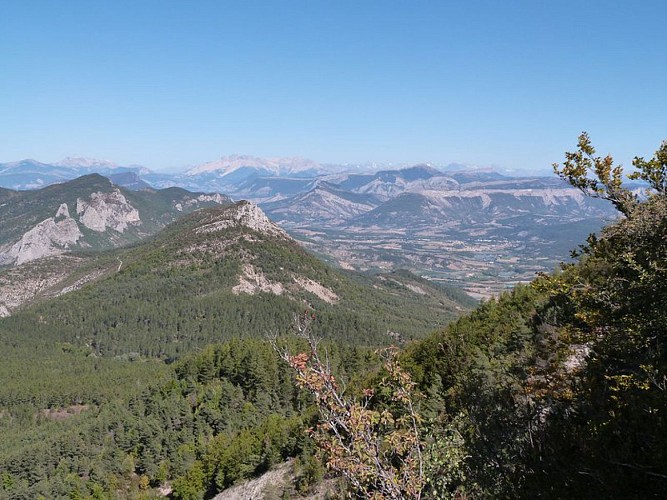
point(229, 272)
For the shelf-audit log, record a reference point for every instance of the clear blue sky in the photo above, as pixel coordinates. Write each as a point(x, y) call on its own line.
point(171, 83)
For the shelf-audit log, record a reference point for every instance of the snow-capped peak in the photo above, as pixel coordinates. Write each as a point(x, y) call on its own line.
point(81, 162)
point(274, 166)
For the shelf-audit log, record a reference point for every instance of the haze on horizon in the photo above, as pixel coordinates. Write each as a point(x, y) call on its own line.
point(482, 82)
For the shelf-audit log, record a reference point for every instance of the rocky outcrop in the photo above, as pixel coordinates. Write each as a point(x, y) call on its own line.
point(60, 233)
point(202, 198)
point(322, 292)
point(277, 483)
point(22, 284)
point(107, 210)
point(253, 281)
point(52, 236)
point(245, 214)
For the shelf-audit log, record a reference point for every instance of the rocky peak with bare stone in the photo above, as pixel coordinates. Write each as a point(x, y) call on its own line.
point(244, 213)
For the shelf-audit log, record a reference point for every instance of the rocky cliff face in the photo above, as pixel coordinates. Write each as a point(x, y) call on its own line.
point(52, 236)
point(107, 211)
point(245, 214)
point(62, 232)
point(190, 203)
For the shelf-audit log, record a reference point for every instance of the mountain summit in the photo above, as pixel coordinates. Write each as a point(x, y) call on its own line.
point(243, 213)
point(266, 166)
point(81, 162)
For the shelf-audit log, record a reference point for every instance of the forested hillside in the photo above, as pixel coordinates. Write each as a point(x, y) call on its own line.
point(557, 390)
point(207, 421)
point(553, 390)
point(114, 389)
point(192, 286)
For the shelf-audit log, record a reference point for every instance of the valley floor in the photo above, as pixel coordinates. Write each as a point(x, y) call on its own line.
point(482, 260)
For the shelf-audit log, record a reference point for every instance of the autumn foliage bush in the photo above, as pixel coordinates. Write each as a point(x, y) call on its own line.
point(374, 442)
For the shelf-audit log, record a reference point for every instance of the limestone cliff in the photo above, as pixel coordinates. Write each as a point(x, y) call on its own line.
point(52, 236)
point(107, 210)
point(245, 214)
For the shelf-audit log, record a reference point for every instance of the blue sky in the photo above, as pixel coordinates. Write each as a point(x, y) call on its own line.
point(174, 83)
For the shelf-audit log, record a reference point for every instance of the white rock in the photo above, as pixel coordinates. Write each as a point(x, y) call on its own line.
point(252, 281)
point(202, 198)
point(324, 293)
point(63, 211)
point(245, 214)
point(107, 210)
point(46, 238)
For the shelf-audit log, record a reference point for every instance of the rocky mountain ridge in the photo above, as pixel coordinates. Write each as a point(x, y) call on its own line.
point(247, 214)
point(57, 273)
point(86, 214)
point(279, 167)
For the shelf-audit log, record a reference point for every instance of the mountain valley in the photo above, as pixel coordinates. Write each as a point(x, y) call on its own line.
point(484, 233)
point(472, 228)
point(146, 335)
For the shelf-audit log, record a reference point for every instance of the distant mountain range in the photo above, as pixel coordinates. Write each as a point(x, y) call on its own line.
point(478, 229)
point(228, 174)
point(425, 196)
point(457, 223)
point(32, 174)
point(241, 176)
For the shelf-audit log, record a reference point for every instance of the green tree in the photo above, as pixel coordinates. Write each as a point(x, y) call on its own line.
point(612, 302)
point(653, 171)
point(607, 180)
